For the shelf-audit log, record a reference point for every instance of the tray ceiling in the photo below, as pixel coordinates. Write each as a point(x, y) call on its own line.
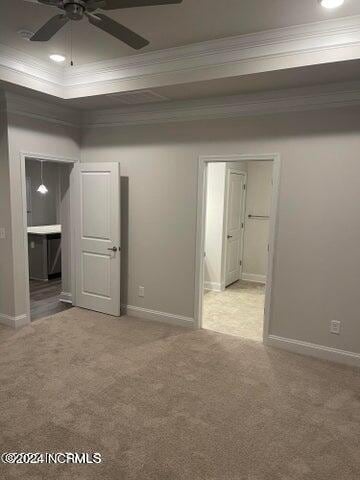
point(165, 27)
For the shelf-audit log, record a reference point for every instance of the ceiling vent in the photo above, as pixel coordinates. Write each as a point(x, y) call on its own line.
point(139, 98)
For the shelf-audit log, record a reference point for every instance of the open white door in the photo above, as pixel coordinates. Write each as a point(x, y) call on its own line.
point(97, 252)
point(235, 226)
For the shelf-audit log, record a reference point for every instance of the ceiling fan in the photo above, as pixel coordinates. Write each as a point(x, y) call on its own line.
point(77, 9)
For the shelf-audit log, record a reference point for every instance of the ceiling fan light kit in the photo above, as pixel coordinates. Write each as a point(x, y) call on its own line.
point(76, 10)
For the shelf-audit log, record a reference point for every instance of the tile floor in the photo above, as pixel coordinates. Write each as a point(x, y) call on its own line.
point(239, 310)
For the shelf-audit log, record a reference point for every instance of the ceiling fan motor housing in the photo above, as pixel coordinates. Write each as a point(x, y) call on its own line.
point(74, 9)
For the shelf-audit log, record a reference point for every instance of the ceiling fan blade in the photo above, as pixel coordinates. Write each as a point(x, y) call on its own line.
point(50, 3)
point(115, 4)
point(117, 30)
point(48, 30)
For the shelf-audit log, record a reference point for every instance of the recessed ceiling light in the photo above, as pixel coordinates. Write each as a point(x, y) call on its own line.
point(57, 58)
point(331, 3)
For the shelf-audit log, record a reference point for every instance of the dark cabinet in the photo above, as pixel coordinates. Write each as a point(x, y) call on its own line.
point(44, 256)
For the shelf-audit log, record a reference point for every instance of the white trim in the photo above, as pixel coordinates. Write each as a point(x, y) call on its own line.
point(49, 158)
point(270, 102)
point(314, 350)
point(295, 46)
point(214, 286)
point(14, 322)
point(200, 230)
point(40, 110)
point(155, 316)
point(26, 70)
point(252, 277)
point(281, 101)
point(66, 297)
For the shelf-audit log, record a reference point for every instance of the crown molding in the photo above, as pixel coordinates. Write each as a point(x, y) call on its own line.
point(318, 32)
point(290, 100)
point(40, 110)
point(296, 46)
point(271, 102)
point(21, 69)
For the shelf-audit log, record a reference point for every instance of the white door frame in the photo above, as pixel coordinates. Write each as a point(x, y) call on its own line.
point(47, 158)
point(200, 229)
point(230, 171)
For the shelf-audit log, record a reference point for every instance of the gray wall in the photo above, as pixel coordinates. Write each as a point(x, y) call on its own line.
point(7, 300)
point(317, 261)
point(27, 134)
point(44, 208)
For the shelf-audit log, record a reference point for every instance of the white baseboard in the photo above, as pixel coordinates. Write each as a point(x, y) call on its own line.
point(213, 286)
point(314, 350)
point(155, 316)
point(66, 297)
point(252, 277)
point(14, 322)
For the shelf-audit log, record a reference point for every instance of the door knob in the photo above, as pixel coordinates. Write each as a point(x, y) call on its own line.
point(113, 249)
point(229, 236)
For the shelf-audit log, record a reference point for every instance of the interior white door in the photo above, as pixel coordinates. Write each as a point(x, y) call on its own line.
point(235, 226)
point(98, 237)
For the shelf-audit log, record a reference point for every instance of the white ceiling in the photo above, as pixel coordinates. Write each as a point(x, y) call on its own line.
point(166, 26)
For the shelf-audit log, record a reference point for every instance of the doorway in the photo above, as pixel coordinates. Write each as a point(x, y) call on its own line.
point(48, 234)
point(88, 209)
point(236, 242)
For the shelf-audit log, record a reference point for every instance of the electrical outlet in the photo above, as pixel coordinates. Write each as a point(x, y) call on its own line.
point(335, 327)
point(2, 234)
point(141, 291)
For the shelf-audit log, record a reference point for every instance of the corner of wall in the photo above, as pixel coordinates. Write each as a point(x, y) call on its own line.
point(7, 294)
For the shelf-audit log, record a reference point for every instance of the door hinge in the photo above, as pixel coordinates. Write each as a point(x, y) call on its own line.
point(242, 225)
point(244, 186)
point(240, 263)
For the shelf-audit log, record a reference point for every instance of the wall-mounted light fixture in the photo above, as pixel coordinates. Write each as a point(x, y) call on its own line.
point(42, 188)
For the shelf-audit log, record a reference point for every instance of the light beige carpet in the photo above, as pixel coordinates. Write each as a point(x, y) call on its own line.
point(165, 403)
point(239, 310)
